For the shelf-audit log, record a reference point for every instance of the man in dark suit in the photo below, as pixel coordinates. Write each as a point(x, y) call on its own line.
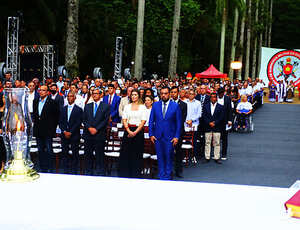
point(59, 99)
point(202, 95)
point(164, 130)
point(226, 102)
point(32, 95)
point(213, 116)
point(69, 123)
point(113, 100)
point(45, 116)
point(178, 149)
point(204, 99)
point(95, 120)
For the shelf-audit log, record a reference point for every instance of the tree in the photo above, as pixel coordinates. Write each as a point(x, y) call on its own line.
point(222, 4)
point(71, 58)
point(174, 43)
point(270, 24)
point(254, 57)
point(241, 45)
point(249, 30)
point(138, 64)
point(234, 38)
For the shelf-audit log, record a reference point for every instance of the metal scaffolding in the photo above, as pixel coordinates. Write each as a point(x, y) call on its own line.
point(48, 57)
point(118, 58)
point(12, 51)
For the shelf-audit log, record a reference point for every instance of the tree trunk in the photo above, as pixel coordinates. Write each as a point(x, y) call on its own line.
point(174, 43)
point(223, 38)
point(233, 46)
point(138, 64)
point(270, 23)
point(249, 30)
point(71, 58)
point(254, 59)
point(260, 43)
point(242, 35)
point(266, 8)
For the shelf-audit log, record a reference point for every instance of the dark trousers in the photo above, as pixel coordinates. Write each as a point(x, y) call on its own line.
point(131, 155)
point(224, 140)
point(241, 118)
point(202, 144)
point(70, 162)
point(46, 157)
point(165, 153)
point(2, 151)
point(97, 146)
point(198, 153)
point(178, 157)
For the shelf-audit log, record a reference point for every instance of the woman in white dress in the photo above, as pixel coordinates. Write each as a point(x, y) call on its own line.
point(131, 154)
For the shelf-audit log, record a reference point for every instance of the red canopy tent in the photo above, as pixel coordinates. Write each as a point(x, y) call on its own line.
point(211, 72)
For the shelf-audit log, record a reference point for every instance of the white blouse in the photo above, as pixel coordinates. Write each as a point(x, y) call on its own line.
point(135, 117)
point(148, 111)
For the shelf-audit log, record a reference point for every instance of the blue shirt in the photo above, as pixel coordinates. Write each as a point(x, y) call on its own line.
point(41, 105)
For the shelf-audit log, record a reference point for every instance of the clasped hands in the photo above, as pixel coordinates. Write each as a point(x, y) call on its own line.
point(131, 134)
point(174, 140)
point(92, 130)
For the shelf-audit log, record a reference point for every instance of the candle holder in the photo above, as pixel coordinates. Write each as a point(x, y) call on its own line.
point(17, 132)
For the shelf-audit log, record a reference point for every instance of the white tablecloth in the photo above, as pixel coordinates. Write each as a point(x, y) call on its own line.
point(68, 202)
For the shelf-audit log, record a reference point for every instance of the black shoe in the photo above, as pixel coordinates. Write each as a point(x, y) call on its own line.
point(179, 175)
point(218, 162)
point(206, 160)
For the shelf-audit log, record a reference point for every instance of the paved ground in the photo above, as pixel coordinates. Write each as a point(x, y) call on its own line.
point(270, 156)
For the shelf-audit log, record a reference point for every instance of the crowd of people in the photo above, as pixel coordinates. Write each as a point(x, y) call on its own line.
point(284, 91)
point(166, 108)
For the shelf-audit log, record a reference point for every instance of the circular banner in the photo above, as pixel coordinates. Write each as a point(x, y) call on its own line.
point(285, 65)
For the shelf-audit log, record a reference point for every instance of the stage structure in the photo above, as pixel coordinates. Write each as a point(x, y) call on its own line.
point(118, 58)
point(12, 60)
point(48, 57)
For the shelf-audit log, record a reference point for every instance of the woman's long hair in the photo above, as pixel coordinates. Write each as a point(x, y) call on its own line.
point(140, 101)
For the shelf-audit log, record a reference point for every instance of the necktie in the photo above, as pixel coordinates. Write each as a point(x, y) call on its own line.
point(69, 111)
point(164, 109)
point(95, 109)
point(202, 99)
point(109, 102)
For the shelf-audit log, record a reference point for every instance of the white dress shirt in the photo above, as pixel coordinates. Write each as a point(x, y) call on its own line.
point(30, 101)
point(167, 105)
point(213, 107)
point(69, 110)
point(221, 100)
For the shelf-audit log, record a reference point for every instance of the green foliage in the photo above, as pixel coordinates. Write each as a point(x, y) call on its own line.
point(100, 21)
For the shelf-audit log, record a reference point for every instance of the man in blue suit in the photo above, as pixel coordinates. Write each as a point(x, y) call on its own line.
point(113, 100)
point(213, 118)
point(165, 129)
point(95, 120)
point(69, 123)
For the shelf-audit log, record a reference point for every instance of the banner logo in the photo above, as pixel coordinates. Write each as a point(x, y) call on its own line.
point(285, 65)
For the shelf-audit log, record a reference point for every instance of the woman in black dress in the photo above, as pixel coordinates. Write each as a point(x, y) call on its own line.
point(131, 155)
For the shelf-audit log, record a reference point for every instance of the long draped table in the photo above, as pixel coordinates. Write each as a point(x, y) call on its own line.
point(67, 202)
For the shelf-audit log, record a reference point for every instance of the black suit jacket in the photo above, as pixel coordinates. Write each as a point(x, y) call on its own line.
point(59, 100)
point(99, 122)
point(206, 99)
point(74, 123)
point(217, 117)
point(45, 125)
point(183, 108)
point(227, 110)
